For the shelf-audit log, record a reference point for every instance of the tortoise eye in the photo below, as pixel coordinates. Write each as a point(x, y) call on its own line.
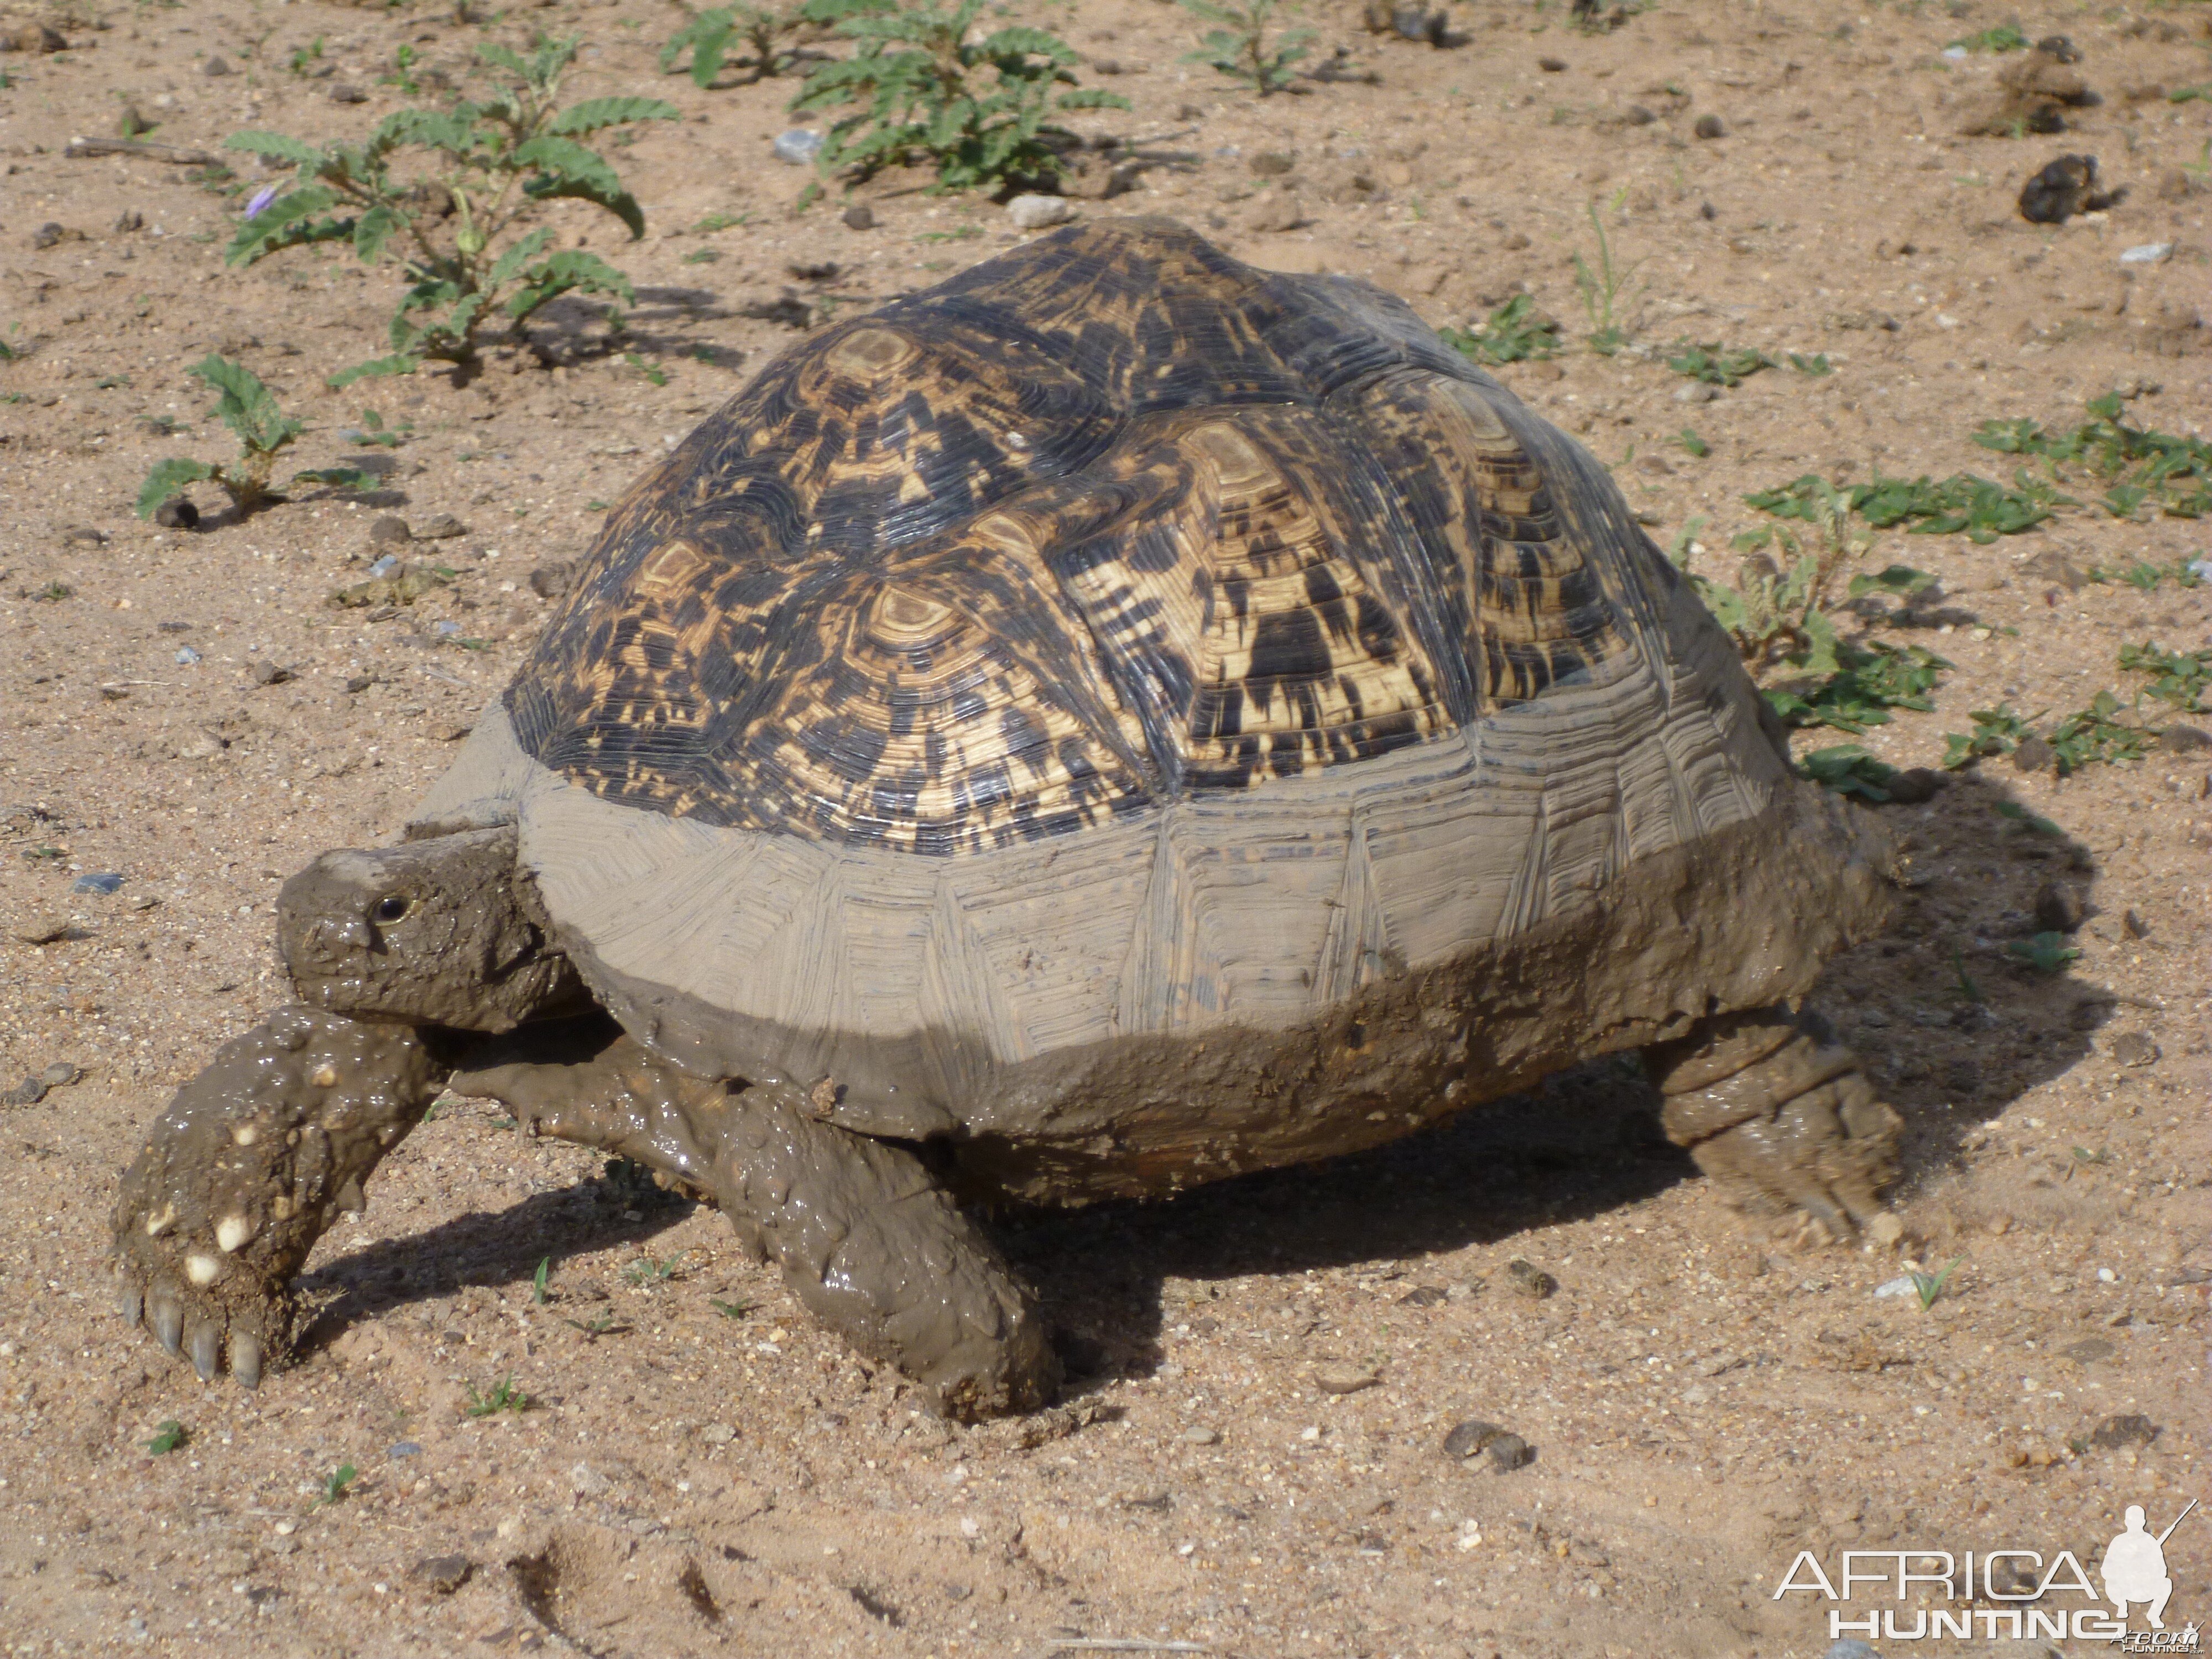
point(392, 908)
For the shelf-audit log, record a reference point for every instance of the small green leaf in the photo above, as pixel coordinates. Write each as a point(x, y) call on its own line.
point(593, 114)
point(246, 406)
point(281, 146)
point(400, 364)
point(167, 479)
point(168, 1436)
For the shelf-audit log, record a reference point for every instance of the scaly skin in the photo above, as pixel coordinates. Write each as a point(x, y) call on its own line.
point(254, 1158)
point(1782, 1120)
point(866, 1236)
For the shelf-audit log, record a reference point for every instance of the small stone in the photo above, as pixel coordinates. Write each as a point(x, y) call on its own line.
point(387, 529)
point(1276, 211)
point(1711, 126)
point(346, 92)
point(98, 881)
point(44, 927)
point(2147, 254)
point(2133, 926)
point(1033, 212)
point(2034, 754)
point(83, 535)
point(717, 1434)
point(176, 513)
point(2088, 1350)
point(859, 216)
point(2052, 566)
point(797, 146)
point(442, 1574)
point(587, 1482)
point(128, 220)
point(47, 235)
point(551, 581)
point(29, 1092)
point(2184, 740)
point(405, 1449)
point(1552, 65)
point(1197, 1436)
point(812, 270)
point(386, 566)
point(2059, 909)
point(2121, 1430)
point(32, 37)
point(60, 1074)
point(1343, 1376)
point(1425, 1295)
point(438, 527)
point(2134, 1048)
point(216, 68)
point(1697, 392)
point(1916, 786)
point(1506, 1450)
point(266, 673)
point(1272, 163)
point(1529, 1280)
point(360, 682)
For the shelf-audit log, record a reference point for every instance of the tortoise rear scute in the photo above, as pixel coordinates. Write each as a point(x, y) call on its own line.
point(1103, 523)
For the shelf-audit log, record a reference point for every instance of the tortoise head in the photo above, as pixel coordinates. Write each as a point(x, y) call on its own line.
point(442, 931)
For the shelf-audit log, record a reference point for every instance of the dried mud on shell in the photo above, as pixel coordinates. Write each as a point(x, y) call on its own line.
point(700, 1469)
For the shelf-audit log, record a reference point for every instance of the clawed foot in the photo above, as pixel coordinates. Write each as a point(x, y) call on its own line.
point(252, 1162)
point(1784, 1123)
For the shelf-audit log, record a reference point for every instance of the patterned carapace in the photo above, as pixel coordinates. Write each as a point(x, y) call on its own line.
point(1101, 522)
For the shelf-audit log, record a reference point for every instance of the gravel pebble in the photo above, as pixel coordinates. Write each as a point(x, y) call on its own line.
point(2134, 1048)
point(43, 927)
point(1196, 1436)
point(442, 1574)
point(798, 146)
point(1343, 1376)
point(717, 1434)
point(388, 528)
point(97, 881)
point(1039, 212)
point(859, 216)
point(1506, 1449)
point(1711, 126)
point(1529, 1280)
point(440, 526)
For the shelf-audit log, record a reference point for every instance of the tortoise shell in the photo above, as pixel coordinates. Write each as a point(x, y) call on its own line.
point(1141, 717)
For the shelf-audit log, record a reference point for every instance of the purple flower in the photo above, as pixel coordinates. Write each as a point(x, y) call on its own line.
point(262, 199)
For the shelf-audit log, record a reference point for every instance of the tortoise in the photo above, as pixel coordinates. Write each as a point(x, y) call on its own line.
point(1111, 721)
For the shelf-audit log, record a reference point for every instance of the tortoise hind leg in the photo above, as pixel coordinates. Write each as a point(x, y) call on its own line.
point(866, 1236)
point(1781, 1119)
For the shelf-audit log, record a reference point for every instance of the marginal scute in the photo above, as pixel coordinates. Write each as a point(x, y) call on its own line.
point(1107, 523)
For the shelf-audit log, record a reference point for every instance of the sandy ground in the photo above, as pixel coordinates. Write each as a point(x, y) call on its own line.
point(699, 1469)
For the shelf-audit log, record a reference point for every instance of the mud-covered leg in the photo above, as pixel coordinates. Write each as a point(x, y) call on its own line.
point(1781, 1119)
point(866, 1236)
point(252, 1160)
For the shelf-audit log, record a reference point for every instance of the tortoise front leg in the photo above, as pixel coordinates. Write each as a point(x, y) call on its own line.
point(253, 1160)
point(1781, 1120)
point(866, 1237)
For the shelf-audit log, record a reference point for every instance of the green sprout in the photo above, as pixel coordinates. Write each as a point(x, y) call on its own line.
point(337, 1484)
point(1929, 1286)
point(504, 1397)
point(1238, 45)
point(538, 1282)
point(1516, 332)
point(2047, 953)
point(168, 1436)
point(978, 111)
point(487, 167)
point(264, 431)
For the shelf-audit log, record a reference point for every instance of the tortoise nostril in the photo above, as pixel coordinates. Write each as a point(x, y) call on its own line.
point(390, 908)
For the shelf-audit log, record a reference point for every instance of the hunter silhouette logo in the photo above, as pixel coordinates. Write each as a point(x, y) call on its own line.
point(2024, 1592)
point(2135, 1567)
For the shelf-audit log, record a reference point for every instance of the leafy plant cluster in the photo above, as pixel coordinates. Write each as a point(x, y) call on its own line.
point(250, 409)
point(1717, 365)
point(2108, 730)
point(1516, 332)
point(768, 33)
point(1239, 45)
point(1865, 685)
point(2144, 576)
point(456, 219)
point(2137, 465)
point(981, 112)
point(2182, 678)
point(1963, 503)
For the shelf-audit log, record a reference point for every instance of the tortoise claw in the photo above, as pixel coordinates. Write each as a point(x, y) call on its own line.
point(205, 1345)
point(168, 1320)
point(245, 1359)
point(130, 1302)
